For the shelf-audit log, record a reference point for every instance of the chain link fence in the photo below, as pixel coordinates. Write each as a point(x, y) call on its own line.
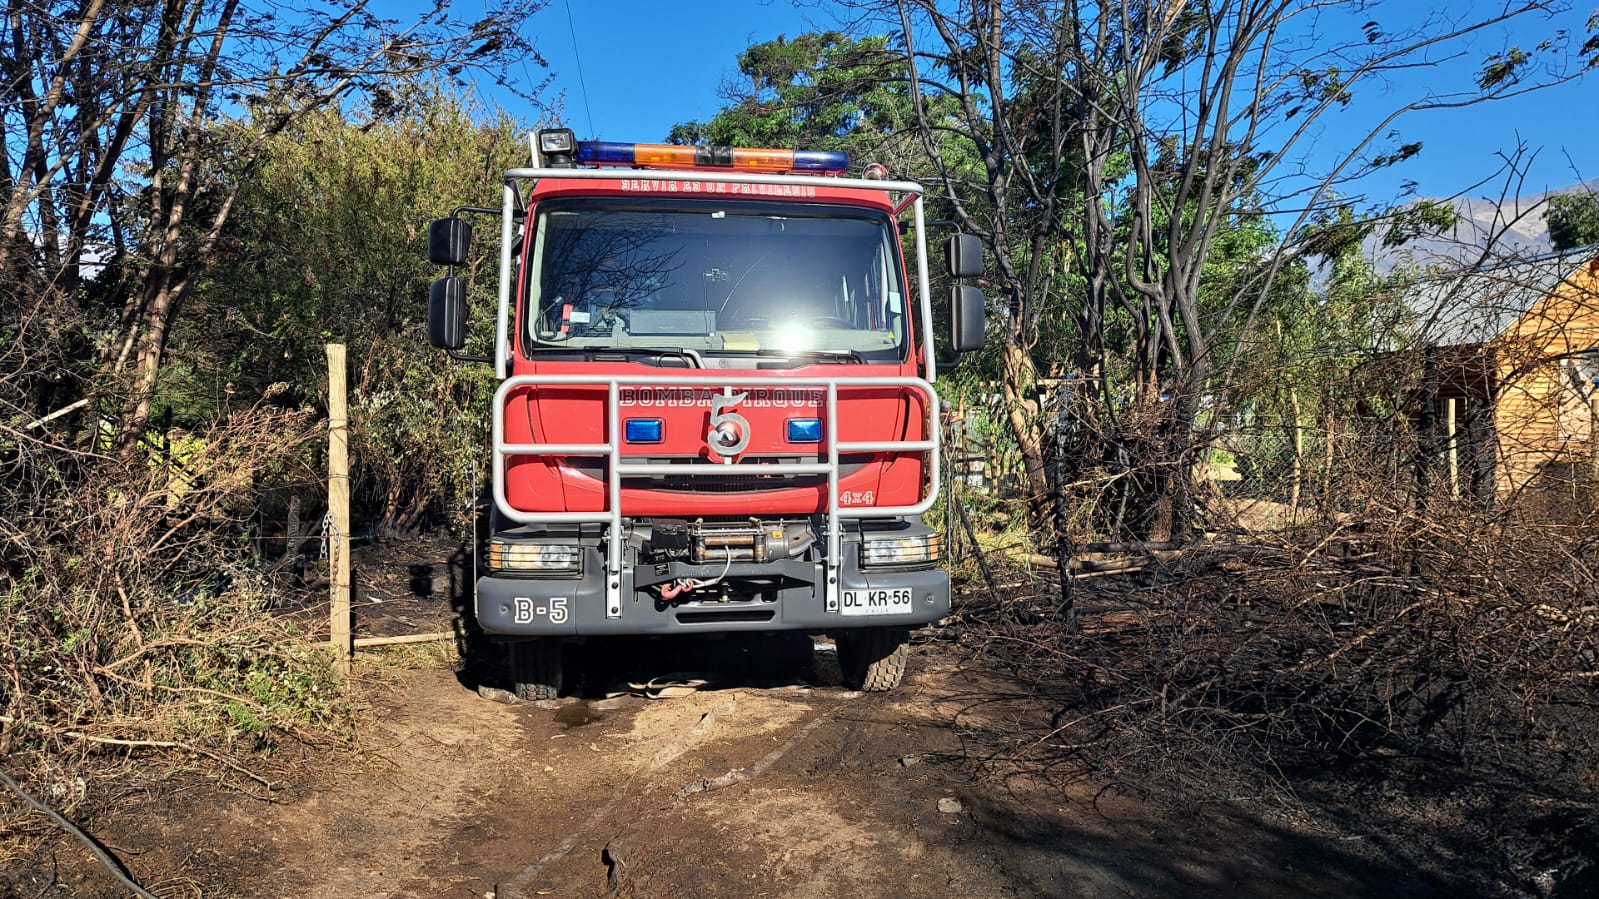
point(1274, 475)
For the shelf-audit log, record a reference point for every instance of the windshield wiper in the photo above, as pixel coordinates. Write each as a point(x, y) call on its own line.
point(692, 357)
point(598, 354)
point(819, 355)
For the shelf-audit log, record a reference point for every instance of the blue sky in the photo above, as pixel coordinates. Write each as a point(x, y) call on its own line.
point(647, 66)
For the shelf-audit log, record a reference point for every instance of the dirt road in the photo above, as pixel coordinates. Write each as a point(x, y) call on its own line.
point(768, 780)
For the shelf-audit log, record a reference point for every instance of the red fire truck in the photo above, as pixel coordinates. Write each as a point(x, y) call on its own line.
point(716, 409)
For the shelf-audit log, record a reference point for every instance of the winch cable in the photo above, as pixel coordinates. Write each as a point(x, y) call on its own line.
point(688, 584)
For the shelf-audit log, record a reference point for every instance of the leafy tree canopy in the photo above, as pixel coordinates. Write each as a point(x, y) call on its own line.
point(818, 91)
point(1573, 219)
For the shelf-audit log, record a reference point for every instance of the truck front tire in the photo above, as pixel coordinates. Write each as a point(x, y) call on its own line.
point(536, 667)
point(872, 660)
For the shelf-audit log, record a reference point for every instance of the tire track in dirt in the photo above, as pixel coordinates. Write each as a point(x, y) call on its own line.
point(795, 793)
point(634, 776)
point(698, 733)
point(732, 792)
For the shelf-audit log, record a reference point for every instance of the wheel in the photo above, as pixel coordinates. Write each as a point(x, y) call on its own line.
point(872, 660)
point(536, 668)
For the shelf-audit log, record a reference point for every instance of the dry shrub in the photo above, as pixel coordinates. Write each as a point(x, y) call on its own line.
point(1430, 673)
point(133, 608)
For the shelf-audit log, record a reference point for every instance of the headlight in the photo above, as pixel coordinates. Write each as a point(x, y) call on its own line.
point(536, 558)
point(920, 550)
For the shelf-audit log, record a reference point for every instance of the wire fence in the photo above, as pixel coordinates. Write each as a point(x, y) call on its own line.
point(1265, 476)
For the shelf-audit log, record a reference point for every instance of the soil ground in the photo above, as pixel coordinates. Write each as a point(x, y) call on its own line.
point(767, 779)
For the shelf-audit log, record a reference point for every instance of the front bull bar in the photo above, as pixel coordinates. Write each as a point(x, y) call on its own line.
point(617, 469)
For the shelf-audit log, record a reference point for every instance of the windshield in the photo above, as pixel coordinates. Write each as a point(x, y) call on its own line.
point(716, 277)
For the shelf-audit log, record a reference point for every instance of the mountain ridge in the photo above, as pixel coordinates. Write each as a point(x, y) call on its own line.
point(1489, 231)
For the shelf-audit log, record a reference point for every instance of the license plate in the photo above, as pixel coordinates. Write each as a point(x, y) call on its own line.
point(895, 601)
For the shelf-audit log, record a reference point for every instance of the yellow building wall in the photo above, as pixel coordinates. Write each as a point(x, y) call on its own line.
point(1542, 416)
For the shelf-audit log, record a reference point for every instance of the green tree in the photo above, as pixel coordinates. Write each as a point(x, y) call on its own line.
point(816, 91)
point(1573, 219)
point(330, 244)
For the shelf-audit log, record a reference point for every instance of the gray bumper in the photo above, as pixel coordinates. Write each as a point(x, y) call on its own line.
point(576, 607)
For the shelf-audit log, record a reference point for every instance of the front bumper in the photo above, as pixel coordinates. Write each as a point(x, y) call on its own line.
point(576, 606)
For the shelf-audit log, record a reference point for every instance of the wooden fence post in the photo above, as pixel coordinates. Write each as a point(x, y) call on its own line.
point(339, 509)
point(1451, 431)
point(1593, 443)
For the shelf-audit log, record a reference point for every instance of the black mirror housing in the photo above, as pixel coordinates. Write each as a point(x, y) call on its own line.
point(966, 318)
point(449, 241)
point(965, 256)
point(447, 313)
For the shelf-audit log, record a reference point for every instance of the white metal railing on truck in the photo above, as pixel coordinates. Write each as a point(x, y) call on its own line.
point(617, 468)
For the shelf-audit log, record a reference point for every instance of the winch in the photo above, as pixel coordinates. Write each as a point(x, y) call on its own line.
point(702, 543)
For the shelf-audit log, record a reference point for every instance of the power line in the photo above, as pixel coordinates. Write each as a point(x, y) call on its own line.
point(582, 85)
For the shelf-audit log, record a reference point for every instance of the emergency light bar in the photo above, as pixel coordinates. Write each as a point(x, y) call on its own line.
point(673, 156)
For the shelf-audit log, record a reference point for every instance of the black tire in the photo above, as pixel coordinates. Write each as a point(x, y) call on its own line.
point(873, 660)
point(536, 667)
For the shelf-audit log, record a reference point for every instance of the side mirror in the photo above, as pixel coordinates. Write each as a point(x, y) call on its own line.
point(449, 241)
point(447, 313)
point(966, 305)
point(965, 256)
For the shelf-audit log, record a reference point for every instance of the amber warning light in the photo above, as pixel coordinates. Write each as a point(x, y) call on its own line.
point(739, 159)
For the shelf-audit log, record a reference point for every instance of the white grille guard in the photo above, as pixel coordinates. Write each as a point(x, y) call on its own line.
point(617, 469)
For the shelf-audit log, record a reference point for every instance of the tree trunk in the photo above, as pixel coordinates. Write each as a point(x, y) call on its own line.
point(152, 341)
point(1018, 380)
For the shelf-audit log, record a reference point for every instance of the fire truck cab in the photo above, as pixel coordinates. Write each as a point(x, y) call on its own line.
point(716, 407)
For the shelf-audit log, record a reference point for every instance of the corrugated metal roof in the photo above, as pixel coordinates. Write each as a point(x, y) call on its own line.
point(1472, 306)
